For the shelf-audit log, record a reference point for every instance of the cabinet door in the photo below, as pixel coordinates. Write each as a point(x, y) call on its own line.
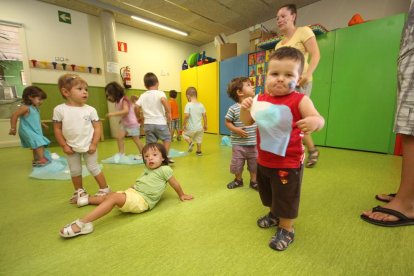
point(207, 76)
point(229, 69)
point(322, 79)
point(364, 85)
point(188, 78)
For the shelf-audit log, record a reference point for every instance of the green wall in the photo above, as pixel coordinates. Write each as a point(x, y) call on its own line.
point(96, 99)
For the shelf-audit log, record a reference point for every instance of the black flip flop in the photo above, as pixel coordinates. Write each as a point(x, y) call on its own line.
point(402, 219)
point(384, 200)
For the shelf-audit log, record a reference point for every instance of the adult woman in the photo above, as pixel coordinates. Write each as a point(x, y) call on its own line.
point(303, 39)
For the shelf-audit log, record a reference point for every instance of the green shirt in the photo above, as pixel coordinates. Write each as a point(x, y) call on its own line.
point(152, 184)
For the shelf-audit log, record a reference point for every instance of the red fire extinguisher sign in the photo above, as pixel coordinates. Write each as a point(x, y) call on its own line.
point(122, 46)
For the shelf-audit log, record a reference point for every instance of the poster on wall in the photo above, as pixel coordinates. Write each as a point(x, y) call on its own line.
point(11, 68)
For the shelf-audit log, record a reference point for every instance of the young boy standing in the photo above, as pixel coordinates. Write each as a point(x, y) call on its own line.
point(194, 114)
point(156, 112)
point(243, 138)
point(175, 117)
point(290, 115)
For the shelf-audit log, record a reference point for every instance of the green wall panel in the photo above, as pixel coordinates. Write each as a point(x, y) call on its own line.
point(322, 83)
point(363, 93)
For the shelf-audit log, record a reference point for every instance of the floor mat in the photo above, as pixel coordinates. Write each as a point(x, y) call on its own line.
point(132, 160)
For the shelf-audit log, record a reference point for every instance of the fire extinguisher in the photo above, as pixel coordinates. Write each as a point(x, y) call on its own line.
point(125, 73)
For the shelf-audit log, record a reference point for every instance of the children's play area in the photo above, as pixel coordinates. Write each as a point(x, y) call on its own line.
point(215, 233)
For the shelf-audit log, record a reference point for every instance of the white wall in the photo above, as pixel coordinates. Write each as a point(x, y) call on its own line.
point(332, 14)
point(80, 42)
point(152, 53)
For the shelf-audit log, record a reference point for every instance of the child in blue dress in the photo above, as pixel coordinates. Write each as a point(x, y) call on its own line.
point(30, 128)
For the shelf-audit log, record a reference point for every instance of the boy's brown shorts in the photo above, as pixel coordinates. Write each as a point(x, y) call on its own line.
point(279, 190)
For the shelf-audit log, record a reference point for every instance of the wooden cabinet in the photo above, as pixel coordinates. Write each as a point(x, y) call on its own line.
point(205, 79)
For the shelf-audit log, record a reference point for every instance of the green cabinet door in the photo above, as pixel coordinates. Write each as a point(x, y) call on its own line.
point(364, 83)
point(322, 78)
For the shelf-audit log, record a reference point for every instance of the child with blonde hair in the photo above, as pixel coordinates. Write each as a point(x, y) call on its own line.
point(195, 121)
point(142, 196)
point(30, 129)
point(77, 130)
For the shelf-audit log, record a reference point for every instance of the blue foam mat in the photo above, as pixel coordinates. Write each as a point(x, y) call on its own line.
point(130, 159)
point(57, 169)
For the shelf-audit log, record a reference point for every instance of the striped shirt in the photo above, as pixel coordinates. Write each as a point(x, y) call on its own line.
point(233, 116)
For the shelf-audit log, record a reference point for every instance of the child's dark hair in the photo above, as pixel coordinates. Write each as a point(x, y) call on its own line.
point(235, 85)
point(289, 53)
point(292, 9)
point(32, 92)
point(115, 90)
point(157, 146)
point(173, 94)
point(150, 79)
point(68, 81)
point(191, 91)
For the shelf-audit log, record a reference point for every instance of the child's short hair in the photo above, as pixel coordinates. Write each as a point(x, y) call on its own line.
point(191, 92)
point(115, 90)
point(68, 81)
point(32, 92)
point(150, 79)
point(157, 146)
point(235, 85)
point(289, 53)
point(173, 94)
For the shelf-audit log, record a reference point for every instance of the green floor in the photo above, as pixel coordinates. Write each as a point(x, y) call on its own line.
point(216, 233)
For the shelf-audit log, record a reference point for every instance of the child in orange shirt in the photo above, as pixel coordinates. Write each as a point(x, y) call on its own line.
point(175, 117)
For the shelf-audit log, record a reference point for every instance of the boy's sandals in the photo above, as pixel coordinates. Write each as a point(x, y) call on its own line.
point(254, 185)
point(235, 184)
point(312, 158)
point(85, 228)
point(281, 240)
point(268, 221)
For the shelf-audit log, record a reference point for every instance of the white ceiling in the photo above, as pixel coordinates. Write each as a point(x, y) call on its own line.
point(202, 19)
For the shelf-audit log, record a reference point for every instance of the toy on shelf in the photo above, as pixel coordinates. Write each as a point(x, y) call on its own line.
point(197, 59)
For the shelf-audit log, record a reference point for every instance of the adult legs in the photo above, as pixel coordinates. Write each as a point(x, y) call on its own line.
point(404, 200)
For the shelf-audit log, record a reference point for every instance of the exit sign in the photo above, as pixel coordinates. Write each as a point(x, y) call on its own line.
point(64, 17)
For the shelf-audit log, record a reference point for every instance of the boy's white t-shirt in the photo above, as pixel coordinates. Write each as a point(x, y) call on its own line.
point(76, 125)
point(196, 111)
point(152, 108)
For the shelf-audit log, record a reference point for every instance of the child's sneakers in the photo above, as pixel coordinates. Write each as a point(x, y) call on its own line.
point(281, 240)
point(235, 184)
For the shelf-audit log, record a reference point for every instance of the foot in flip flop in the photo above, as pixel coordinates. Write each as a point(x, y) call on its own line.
point(402, 220)
point(385, 197)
